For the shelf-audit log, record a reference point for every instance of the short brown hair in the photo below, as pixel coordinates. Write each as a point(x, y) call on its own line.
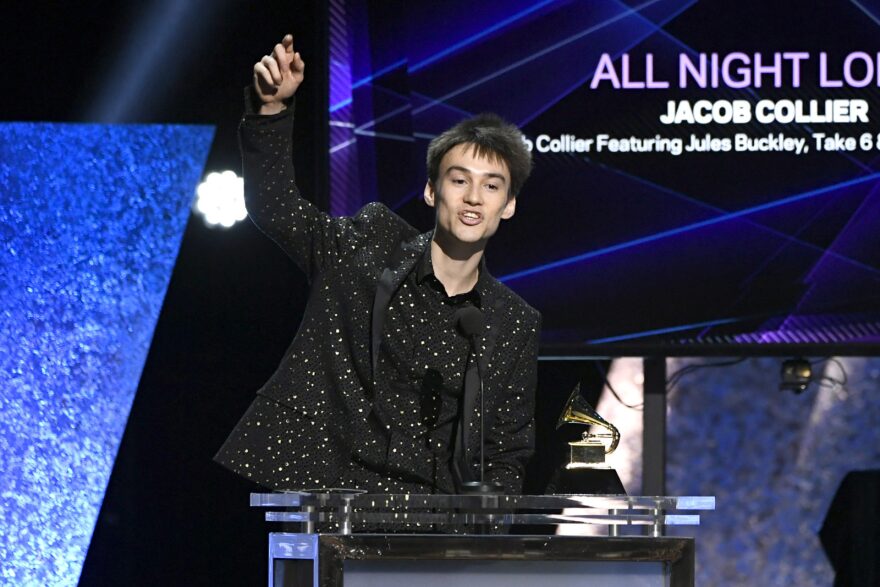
point(492, 137)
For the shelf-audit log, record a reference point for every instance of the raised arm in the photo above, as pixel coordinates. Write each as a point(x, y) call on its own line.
point(312, 238)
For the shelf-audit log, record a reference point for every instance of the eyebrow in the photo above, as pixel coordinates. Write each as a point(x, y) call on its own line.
point(469, 172)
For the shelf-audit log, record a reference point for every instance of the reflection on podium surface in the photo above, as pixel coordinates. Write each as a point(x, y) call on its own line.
point(441, 544)
point(349, 510)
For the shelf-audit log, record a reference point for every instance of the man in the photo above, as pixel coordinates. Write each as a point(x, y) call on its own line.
point(380, 388)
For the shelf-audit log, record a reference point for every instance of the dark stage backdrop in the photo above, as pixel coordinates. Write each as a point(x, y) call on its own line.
point(706, 172)
point(170, 516)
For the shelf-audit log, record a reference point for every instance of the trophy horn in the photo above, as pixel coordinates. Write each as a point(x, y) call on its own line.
point(579, 411)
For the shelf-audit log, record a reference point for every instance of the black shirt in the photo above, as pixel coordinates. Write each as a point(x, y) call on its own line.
point(422, 362)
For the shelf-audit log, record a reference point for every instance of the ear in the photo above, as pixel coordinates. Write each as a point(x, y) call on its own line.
point(429, 194)
point(509, 209)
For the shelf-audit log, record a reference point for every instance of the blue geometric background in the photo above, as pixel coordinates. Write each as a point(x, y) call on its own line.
point(698, 249)
point(91, 219)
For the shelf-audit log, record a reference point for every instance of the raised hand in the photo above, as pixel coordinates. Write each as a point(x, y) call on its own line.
point(278, 75)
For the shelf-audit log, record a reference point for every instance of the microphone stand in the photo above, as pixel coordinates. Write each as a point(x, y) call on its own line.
point(481, 487)
point(470, 323)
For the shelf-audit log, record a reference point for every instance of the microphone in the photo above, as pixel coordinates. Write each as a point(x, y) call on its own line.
point(471, 323)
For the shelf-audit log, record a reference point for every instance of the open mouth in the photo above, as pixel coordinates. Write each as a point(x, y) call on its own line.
point(470, 217)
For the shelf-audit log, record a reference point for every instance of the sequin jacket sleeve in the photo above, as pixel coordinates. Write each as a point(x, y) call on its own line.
point(311, 237)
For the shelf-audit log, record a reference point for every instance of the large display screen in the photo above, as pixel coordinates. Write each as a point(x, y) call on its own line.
point(706, 173)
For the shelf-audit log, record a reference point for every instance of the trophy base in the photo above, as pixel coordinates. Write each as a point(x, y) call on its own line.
point(588, 480)
point(587, 451)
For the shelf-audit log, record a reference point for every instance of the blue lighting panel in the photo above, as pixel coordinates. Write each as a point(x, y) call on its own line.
point(91, 219)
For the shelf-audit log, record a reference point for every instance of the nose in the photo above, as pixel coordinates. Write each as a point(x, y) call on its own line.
point(473, 196)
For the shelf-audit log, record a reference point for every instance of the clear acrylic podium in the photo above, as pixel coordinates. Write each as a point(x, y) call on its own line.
point(446, 540)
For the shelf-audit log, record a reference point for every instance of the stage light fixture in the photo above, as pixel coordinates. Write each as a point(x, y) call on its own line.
point(797, 374)
point(220, 199)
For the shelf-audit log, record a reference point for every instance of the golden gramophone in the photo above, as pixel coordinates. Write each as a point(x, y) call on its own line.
point(586, 471)
point(591, 449)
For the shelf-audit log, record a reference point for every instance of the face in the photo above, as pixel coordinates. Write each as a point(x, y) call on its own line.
point(470, 198)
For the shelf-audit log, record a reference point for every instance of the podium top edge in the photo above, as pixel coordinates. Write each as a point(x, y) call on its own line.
point(354, 498)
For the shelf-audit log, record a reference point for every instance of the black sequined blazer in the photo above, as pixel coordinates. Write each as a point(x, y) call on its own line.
point(318, 412)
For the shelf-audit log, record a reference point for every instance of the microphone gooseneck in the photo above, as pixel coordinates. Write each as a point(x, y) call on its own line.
point(471, 322)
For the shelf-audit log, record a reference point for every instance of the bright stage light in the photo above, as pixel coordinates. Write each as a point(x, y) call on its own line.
point(221, 199)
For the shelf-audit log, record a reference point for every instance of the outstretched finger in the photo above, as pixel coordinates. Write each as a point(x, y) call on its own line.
point(272, 65)
point(287, 42)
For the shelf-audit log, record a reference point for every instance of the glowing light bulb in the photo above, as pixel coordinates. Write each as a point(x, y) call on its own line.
point(220, 199)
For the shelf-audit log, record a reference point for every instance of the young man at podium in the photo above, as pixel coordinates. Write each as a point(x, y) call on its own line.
point(381, 388)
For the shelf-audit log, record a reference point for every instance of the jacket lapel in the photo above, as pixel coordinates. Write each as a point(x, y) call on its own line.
point(491, 311)
point(402, 262)
point(469, 434)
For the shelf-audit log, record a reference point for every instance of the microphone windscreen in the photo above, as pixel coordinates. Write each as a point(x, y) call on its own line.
point(470, 321)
